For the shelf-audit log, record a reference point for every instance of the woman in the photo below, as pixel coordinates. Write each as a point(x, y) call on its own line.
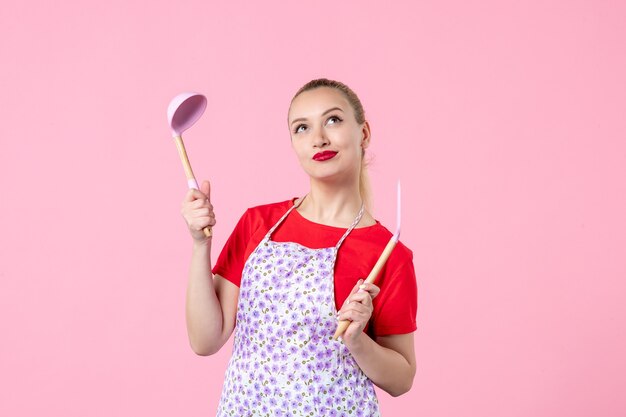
point(286, 270)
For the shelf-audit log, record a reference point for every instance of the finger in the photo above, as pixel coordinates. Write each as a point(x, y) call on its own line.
point(361, 298)
point(193, 195)
point(206, 189)
point(358, 308)
point(356, 312)
point(201, 213)
point(372, 289)
point(197, 217)
point(201, 203)
point(354, 290)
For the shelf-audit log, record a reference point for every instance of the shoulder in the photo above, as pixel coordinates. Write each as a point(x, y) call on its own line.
point(259, 216)
point(404, 254)
point(269, 211)
point(377, 237)
point(262, 208)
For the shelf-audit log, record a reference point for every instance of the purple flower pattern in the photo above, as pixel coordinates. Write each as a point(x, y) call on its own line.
point(284, 360)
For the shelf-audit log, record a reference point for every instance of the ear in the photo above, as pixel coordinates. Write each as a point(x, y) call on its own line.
point(366, 135)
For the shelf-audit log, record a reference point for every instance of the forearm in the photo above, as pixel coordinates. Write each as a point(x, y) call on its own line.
point(387, 368)
point(203, 310)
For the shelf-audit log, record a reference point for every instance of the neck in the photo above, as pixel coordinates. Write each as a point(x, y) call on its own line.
point(332, 204)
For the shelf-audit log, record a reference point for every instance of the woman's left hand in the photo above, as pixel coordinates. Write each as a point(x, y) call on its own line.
point(358, 309)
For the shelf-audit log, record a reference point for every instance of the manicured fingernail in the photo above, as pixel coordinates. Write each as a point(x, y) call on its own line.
point(362, 286)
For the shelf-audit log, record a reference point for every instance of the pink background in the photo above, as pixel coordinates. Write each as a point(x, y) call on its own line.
point(504, 120)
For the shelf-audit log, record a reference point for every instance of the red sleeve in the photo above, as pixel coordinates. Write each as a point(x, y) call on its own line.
point(395, 307)
point(232, 258)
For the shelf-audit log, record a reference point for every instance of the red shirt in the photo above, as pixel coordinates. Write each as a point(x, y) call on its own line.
point(395, 307)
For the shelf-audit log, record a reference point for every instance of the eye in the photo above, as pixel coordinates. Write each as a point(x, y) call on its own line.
point(299, 128)
point(333, 120)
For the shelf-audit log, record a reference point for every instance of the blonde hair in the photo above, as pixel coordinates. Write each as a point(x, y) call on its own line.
point(359, 114)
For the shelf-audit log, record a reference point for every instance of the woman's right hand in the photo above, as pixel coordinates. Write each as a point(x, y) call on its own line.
point(197, 211)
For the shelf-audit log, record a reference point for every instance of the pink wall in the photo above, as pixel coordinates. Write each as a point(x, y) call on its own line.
point(505, 123)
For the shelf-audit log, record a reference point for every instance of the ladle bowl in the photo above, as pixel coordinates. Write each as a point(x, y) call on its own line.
point(184, 110)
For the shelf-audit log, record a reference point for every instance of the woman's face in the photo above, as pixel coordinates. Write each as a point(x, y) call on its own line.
point(325, 135)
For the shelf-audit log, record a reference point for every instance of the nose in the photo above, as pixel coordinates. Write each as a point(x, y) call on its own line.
point(320, 139)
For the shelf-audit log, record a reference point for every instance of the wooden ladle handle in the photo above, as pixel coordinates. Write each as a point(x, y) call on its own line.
point(371, 278)
point(191, 179)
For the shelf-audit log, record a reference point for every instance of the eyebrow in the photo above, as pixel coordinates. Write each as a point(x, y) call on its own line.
point(301, 119)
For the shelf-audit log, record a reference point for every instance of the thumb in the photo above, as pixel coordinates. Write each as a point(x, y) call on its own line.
point(206, 189)
point(354, 290)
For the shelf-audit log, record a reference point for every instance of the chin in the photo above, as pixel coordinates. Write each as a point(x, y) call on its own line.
point(328, 172)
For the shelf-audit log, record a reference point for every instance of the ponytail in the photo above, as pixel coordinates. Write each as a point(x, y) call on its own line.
point(364, 185)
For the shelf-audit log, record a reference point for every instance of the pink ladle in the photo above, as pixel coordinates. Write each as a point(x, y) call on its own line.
point(183, 111)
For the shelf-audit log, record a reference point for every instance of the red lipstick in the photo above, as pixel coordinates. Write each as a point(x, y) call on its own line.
point(324, 156)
